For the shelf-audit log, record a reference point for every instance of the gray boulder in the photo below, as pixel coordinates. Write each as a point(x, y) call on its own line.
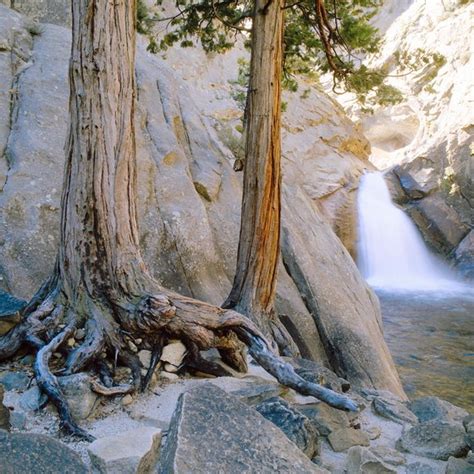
point(131, 452)
point(32, 399)
point(344, 438)
point(420, 468)
point(14, 380)
point(77, 390)
point(459, 466)
point(433, 408)
point(435, 439)
point(324, 418)
point(294, 424)
point(393, 410)
point(212, 431)
point(35, 453)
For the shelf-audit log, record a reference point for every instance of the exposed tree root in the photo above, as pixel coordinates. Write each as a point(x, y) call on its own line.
point(151, 321)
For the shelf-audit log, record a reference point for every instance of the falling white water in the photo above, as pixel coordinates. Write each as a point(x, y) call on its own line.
point(391, 251)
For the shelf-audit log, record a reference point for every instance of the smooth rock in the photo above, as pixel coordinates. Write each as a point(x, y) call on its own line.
point(35, 453)
point(14, 380)
point(32, 399)
point(344, 438)
point(325, 418)
point(18, 419)
point(135, 451)
point(294, 424)
point(420, 468)
point(127, 400)
point(170, 368)
point(393, 410)
point(212, 431)
point(77, 390)
point(459, 466)
point(388, 455)
point(433, 408)
point(174, 353)
point(362, 460)
point(4, 413)
point(435, 439)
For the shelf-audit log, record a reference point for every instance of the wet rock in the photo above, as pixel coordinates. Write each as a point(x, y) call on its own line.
point(459, 466)
point(435, 439)
point(345, 438)
point(362, 460)
point(393, 410)
point(433, 408)
point(10, 308)
point(324, 418)
point(14, 380)
point(465, 256)
point(409, 184)
point(28, 452)
point(388, 455)
point(212, 431)
point(33, 399)
point(173, 354)
point(294, 424)
point(77, 390)
point(134, 451)
point(4, 413)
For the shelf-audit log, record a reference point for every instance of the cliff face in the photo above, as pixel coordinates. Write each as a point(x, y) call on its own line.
point(430, 134)
point(189, 196)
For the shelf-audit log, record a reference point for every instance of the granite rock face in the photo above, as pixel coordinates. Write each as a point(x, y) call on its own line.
point(189, 196)
point(28, 452)
point(214, 432)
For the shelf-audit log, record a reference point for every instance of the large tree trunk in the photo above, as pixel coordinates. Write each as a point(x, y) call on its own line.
point(253, 290)
point(100, 282)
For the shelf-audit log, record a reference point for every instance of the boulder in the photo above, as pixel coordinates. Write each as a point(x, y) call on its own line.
point(435, 439)
point(465, 256)
point(363, 461)
point(14, 380)
point(4, 413)
point(388, 455)
point(459, 466)
point(29, 452)
point(325, 419)
point(344, 438)
point(433, 408)
point(10, 308)
point(420, 468)
point(409, 184)
point(393, 410)
point(32, 399)
point(469, 425)
point(132, 452)
point(294, 424)
point(212, 431)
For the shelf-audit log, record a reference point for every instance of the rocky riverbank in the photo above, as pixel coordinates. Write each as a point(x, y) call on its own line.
point(231, 424)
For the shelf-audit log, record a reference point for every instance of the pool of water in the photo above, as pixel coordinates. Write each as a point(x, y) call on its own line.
point(431, 337)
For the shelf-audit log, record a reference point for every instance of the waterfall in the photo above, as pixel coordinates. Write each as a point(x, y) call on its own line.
point(391, 251)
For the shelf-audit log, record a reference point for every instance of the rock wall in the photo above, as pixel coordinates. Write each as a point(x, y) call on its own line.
point(430, 133)
point(189, 200)
point(50, 11)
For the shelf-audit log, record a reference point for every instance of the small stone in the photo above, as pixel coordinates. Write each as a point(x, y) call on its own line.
point(458, 466)
point(143, 371)
point(344, 438)
point(393, 410)
point(127, 400)
point(373, 432)
point(295, 425)
point(70, 342)
point(170, 368)
point(362, 460)
point(138, 341)
point(80, 334)
point(169, 376)
point(32, 399)
point(145, 358)
point(77, 390)
point(135, 451)
point(14, 380)
point(435, 439)
point(57, 355)
point(174, 353)
point(132, 347)
point(28, 359)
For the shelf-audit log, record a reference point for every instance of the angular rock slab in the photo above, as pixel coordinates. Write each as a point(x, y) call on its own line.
point(393, 410)
point(362, 460)
point(35, 453)
point(345, 438)
point(433, 408)
point(212, 432)
point(133, 452)
point(435, 439)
